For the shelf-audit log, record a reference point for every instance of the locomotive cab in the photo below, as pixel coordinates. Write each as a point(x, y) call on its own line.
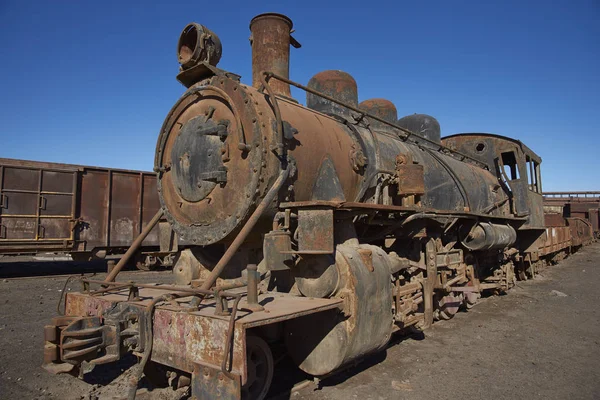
point(516, 166)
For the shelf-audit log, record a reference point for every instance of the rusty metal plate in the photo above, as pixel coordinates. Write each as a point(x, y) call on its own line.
point(581, 207)
point(410, 179)
point(124, 208)
point(553, 219)
point(211, 383)
point(115, 205)
point(315, 231)
point(595, 219)
point(185, 339)
point(277, 246)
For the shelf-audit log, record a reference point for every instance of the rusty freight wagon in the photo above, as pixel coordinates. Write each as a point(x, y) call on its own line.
point(585, 205)
point(86, 212)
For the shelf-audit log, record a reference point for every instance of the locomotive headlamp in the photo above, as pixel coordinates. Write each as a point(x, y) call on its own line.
point(198, 44)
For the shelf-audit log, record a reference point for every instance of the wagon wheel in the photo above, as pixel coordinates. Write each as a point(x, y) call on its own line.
point(145, 263)
point(142, 266)
point(260, 369)
point(448, 306)
point(470, 299)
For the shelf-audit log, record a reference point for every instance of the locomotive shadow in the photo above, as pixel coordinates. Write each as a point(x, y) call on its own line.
point(288, 375)
point(29, 267)
point(104, 374)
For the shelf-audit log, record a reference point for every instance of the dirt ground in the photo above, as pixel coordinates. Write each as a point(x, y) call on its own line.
point(542, 340)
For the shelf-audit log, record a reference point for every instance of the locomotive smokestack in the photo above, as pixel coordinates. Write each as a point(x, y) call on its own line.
point(270, 40)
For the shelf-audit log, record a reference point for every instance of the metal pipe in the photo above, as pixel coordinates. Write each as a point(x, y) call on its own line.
point(171, 288)
point(278, 146)
point(134, 246)
point(135, 379)
point(239, 239)
point(252, 297)
point(229, 338)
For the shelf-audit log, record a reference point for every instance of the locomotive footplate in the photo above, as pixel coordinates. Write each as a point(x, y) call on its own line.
point(208, 340)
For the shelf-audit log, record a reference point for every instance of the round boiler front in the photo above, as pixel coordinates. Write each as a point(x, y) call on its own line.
point(210, 159)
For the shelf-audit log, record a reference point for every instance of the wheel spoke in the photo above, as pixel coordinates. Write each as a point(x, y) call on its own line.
point(260, 369)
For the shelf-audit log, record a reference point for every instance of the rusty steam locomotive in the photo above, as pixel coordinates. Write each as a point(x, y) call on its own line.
point(316, 231)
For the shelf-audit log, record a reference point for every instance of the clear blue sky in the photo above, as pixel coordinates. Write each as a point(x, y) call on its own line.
point(89, 82)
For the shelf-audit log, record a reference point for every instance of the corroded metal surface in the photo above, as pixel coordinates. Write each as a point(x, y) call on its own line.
point(422, 125)
point(72, 208)
point(584, 205)
point(322, 345)
point(382, 108)
point(185, 339)
point(516, 167)
point(338, 84)
point(270, 40)
point(554, 239)
point(581, 231)
point(320, 228)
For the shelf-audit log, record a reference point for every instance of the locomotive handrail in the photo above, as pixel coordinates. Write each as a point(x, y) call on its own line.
point(408, 133)
point(347, 205)
point(264, 81)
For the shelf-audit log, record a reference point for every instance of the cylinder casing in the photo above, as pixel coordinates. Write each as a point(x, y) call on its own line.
point(332, 340)
point(487, 236)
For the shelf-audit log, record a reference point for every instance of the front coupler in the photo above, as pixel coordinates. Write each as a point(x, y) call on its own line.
point(78, 343)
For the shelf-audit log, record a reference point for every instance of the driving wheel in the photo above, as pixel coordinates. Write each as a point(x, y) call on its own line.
point(260, 369)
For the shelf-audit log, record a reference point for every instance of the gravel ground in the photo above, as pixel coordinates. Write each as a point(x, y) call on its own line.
point(542, 340)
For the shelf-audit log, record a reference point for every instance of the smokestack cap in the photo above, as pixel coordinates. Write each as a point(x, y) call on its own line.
point(334, 83)
point(272, 16)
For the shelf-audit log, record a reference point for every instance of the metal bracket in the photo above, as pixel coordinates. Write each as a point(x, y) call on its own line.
point(222, 305)
point(315, 231)
point(214, 176)
point(43, 202)
point(134, 294)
